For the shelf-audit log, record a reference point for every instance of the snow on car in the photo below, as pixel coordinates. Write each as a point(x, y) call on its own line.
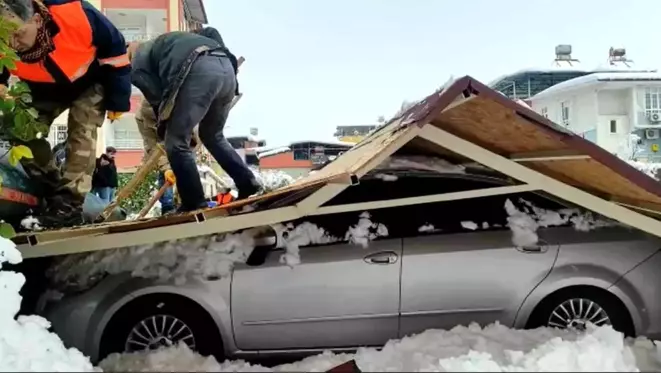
point(362, 276)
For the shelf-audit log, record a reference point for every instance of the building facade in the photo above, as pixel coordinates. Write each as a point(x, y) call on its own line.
point(607, 108)
point(299, 158)
point(353, 134)
point(137, 20)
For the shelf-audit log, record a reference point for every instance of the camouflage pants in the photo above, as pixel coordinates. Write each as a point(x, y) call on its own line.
point(146, 120)
point(86, 115)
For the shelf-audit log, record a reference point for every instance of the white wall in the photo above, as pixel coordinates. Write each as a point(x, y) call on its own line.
point(582, 111)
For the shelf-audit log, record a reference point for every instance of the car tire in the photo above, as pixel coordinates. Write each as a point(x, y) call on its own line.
point(172, 311)
point(612, 307)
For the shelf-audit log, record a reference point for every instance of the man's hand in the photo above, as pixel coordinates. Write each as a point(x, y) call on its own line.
point(170, 178)
point(104, 162)
point(114, 115)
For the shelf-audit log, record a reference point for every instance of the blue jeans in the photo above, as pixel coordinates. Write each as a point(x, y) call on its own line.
point(105, 193)
point(167, 199)
point(205, 98)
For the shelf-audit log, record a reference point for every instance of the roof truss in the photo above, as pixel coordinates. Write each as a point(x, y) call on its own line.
point(465, 119)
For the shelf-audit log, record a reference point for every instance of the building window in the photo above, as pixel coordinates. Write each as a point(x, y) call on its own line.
point(613, 126)
point(127, 139)
point(301, 154)
point(565, 106)
point(61, 134)
point(652, 100)
point(545, 112)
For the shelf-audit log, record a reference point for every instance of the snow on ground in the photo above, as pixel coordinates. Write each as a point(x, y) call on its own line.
point(494, 348)
point(26, 345)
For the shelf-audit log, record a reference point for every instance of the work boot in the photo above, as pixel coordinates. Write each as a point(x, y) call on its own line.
point(61, 212)
point(250, 189)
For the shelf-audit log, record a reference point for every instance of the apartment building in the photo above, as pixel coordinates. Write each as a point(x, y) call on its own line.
point(137, 20)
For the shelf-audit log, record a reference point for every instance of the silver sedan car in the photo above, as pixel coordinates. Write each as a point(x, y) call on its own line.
point(442, 264)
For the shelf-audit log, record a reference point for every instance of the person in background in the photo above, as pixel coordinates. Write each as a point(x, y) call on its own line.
point(188, 79)
point(104, 181)
point(71, 57)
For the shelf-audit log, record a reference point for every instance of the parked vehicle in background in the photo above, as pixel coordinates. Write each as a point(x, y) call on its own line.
point(441, 264)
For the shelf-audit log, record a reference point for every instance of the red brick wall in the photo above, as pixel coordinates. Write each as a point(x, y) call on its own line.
point(128, 159)
point(283, 160)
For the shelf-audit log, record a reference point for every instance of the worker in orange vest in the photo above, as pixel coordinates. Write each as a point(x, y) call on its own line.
point(71, 57)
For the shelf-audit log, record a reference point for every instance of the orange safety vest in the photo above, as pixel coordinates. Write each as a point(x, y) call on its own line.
point(74, 52)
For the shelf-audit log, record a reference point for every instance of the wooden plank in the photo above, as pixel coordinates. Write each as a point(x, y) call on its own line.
point(467, 194)
point(153, 200)
point(98, 242)
point(148, 166)
point(348, 367)
point(541, 181)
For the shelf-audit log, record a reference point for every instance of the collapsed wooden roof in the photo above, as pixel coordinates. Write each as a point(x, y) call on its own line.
point(464, 120)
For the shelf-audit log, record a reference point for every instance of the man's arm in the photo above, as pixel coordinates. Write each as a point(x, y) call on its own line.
point(111, 53)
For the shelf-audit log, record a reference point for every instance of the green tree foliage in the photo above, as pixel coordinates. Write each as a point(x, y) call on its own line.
point(134, 203)
point(19, 122)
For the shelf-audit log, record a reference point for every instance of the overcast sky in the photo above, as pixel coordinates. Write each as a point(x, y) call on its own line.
point(314, 64)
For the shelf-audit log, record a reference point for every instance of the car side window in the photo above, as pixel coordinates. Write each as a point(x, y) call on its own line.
point(465, 215)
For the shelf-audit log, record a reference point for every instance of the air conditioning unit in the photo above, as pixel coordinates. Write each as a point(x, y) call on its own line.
point(652, 134)
point(655, 117)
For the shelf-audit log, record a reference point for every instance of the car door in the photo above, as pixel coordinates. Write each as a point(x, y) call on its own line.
point(466, 269)
point(340, 295)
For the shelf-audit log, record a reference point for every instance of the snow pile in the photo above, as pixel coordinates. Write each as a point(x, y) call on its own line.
point(420, 162)
point(463, 349)
point(26, 345)
point(386, 177)
point(269, 179)
point(273, 179)
point(208, 256)
point(291, 237)
point(649, 168)
point(179, 358)
point(31, 223)
point(525, 222)
point(365, 231)
point(427, 228)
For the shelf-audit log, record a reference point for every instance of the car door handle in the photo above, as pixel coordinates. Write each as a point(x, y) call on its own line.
point(384, 257)
point(533, 249)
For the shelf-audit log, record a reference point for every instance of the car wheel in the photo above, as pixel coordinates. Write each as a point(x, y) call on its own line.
point(155, 321)
point(574, 308)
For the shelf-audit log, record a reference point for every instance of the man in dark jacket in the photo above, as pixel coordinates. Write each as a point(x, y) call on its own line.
point(104, 181)
point(188, 79)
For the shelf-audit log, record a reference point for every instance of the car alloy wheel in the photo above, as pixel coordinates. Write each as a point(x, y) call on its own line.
point(159, 331)
point(576, 313)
